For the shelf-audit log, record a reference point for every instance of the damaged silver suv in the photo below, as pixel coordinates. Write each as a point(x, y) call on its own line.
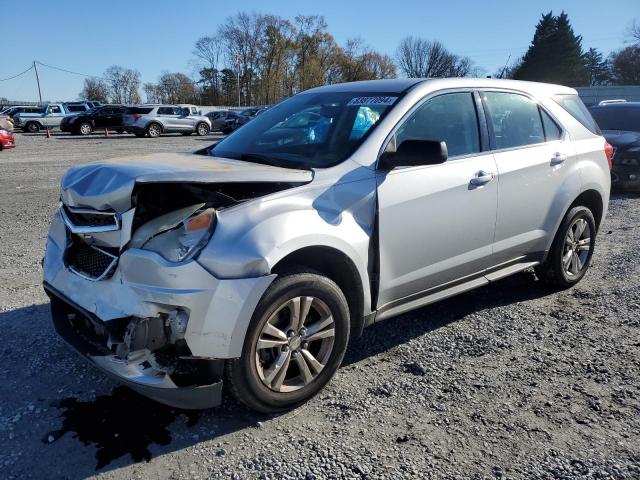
point(253, 262)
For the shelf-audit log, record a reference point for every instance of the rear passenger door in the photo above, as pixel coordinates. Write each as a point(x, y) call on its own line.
point(534, 157)
point(168, 118)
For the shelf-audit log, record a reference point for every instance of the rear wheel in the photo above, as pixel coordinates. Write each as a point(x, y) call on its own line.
point(32, 127)
point(85, 128)
point(571, 251)
point(154, 130)
point(202, 129)
point(294, 344)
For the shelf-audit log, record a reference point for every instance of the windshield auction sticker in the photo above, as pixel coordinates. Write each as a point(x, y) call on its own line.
point(371, 101)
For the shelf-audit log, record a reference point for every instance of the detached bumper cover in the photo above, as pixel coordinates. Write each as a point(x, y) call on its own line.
point(146, 286)
point(136, 375)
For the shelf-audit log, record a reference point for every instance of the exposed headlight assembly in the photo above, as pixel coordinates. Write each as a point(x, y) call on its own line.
point(179, 235)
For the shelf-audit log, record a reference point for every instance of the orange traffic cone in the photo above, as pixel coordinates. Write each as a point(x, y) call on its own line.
point(48, 133)
point(106, 132)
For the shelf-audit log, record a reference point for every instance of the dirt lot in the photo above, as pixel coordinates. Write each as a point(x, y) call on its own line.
point(509, 381)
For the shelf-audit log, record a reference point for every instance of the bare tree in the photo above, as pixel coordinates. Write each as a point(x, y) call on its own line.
point(95, 89)
point(359, 62)
point(419, 58)
point(634, 32)
point(123, 84)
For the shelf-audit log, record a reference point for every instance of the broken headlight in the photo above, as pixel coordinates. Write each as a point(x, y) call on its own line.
point(178, 235)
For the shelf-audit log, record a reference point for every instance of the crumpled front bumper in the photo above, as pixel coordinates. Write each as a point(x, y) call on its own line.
point(144, 285)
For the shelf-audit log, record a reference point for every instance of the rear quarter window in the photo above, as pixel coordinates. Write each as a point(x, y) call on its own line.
point(574, 106)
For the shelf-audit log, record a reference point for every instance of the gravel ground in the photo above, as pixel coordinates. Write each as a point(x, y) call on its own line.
point(509, 381)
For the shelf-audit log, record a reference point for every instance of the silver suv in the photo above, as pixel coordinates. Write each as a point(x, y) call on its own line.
point(154, 120)
point(257, 260)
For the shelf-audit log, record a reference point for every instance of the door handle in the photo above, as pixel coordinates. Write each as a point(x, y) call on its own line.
point(482, 178)
point(559, 158)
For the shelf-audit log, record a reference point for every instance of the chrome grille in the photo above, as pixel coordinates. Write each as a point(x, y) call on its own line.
point(85, 220)
point(90, 262)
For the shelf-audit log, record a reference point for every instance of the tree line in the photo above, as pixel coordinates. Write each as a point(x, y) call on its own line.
point(259, 59)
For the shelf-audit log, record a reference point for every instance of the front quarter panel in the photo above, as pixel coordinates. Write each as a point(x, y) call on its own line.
point(250, 239)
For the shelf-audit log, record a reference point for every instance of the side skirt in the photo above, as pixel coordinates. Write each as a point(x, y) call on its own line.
point(420, 299)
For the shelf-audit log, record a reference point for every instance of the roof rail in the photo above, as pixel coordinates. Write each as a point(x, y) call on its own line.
point(609, 102)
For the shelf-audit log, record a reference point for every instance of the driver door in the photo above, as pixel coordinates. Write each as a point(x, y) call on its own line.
point(437, 222)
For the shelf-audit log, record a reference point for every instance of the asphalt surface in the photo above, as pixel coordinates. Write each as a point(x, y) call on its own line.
point(509, 381)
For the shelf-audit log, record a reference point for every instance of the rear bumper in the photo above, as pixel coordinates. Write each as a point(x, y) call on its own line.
point(138, 375)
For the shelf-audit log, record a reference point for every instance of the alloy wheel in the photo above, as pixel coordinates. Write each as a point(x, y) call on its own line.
point(295, 344)
point(85, 129)
point(154, 131)
point(577, 244)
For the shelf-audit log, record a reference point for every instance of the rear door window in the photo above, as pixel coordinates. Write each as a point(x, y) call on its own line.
point(165, 111)
point(515, 120)
point(139, 110)
point(450, 118)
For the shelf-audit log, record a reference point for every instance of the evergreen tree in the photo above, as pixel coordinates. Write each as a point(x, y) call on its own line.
point(555, 54)
point(597, 67)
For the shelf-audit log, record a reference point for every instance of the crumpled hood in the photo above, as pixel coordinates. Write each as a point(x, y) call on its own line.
point(109, 185)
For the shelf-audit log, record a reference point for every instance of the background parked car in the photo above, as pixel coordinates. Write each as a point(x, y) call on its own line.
point(219, 118)
point(6, 134)
point(154, 120)
point(620, 124)
point(105, 117)
point(9, 113)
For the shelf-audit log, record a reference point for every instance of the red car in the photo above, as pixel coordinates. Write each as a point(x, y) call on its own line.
point(6, 139)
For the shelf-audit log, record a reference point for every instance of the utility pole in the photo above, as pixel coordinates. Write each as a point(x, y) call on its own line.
point(238, 62)
point(37, 80)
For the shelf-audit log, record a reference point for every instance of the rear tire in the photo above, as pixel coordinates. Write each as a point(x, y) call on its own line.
point(85, 128)
point(571, 251)
point(154, 130)
point(298, 354)
point(32, 127)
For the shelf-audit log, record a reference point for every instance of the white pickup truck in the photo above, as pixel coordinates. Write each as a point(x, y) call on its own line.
point(50, 117)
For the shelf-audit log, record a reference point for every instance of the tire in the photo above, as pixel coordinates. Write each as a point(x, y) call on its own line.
point(202, 129)
point(154, 130)
point(254, 378)
point(85, 128)
point(555, 271)
point(32, 127)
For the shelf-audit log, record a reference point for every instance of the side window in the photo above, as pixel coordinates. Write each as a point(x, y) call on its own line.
point(551, 129)
point(515, 119)
point(54, 109)
point(165, 111)
point(449, 117)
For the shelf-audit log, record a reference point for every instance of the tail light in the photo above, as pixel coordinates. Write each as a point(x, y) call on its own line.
point(608, 151)
point(136, 118)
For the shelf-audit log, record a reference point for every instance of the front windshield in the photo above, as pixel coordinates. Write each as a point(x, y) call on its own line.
point(626, 119)
point(309, 130)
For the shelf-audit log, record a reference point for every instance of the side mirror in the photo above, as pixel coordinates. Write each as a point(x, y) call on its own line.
point(413, 153)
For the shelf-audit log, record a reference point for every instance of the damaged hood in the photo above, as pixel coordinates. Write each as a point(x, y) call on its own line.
point(109, 185)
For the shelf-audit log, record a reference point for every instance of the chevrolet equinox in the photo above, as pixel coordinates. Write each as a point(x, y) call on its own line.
point(254, 261)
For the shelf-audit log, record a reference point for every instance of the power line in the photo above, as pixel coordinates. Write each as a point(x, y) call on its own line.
point(16, 76)
point(68, 71)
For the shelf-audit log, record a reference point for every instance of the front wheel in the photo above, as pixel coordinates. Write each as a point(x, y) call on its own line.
point(294, 344)
point(571, 251)
point(202, 129)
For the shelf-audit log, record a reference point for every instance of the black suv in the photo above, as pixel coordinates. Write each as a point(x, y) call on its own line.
point(100, 118)
point(620, 124)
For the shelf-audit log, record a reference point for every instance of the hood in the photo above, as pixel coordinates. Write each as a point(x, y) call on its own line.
point(109, 185)
point(621, 138)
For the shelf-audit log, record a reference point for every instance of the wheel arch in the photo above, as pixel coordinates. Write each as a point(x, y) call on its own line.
point(337, 266)
point(593, 201)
